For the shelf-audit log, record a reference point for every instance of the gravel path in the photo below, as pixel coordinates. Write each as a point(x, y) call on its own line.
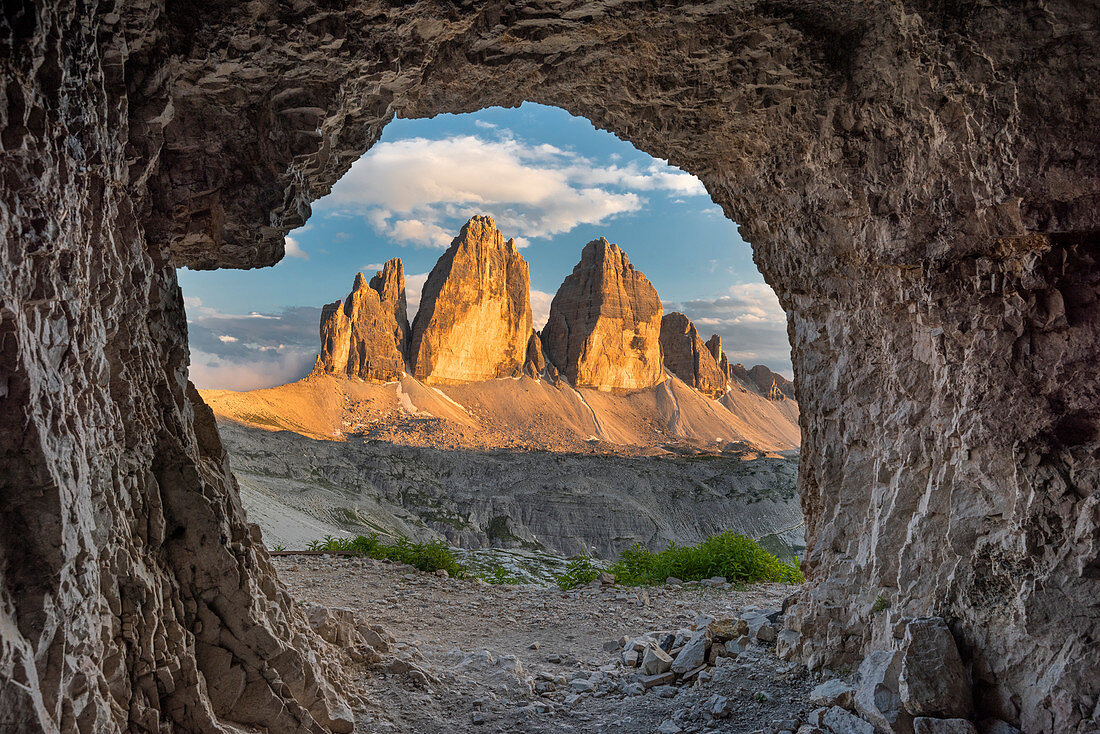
point(505, 658)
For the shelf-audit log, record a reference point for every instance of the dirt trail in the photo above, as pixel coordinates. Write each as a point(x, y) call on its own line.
point(504, 658)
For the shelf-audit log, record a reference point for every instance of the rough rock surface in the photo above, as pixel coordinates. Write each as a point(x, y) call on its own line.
point(688, 357)
point(535, 361)
point(474, 321)
point(390, 284)
point(604, 328)
point(714, 344)
point(918, 181)
point(933, 680)
point(364, 335)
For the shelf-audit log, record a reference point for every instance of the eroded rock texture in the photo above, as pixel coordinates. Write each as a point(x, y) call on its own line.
point(474, 320)
point(921, 185)
point(363, 336)
point(390, 284)
point(714, 344)
point(688, 357)
point(604, 328)
point(762, 380)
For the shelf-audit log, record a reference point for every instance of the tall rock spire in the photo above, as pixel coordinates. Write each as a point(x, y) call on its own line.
point(364, 335)
point(474, 321)
point(605, 323)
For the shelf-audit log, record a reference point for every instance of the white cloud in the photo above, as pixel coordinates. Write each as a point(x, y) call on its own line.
point(414, 286)
point(419, 191)
point(293, 248)
point(210, 371)
point(226, 339)
point(540, 308)
point(372, 266)
point(485, 124)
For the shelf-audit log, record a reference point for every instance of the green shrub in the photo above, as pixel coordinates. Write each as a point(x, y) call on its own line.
point(428, 556)
point(580, 571)
point(739, 559)
point(495, 573)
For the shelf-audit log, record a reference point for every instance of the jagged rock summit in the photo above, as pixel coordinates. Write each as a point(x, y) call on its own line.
point(474, 321)
point(364, 335)
point(688, 357)
point(604, 328)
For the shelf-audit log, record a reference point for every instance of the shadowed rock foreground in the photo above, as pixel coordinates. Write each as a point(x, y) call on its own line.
point(920, 185)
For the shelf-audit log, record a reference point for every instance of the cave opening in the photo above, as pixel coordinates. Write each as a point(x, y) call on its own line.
point(928, 224)
point(673, 388)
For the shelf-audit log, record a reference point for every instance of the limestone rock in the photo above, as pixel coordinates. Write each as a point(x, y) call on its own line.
point(933, 681)
point(927, 725)
point(762, 380)
point(474, 321)
point(714, 344)
point(836, 720)
point(834, 692)
point(655, 661)
point(535, 362)
point(363, 336)
point(688, 357)
point(605, 323)
point(877, 698)
point(693, 654)
point(389, 282)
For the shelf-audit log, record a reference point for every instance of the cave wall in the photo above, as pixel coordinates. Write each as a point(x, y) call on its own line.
point(919, 181)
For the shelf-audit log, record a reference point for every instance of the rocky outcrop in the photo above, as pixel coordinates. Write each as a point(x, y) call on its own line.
point(364, 336)
point(474, 321)
point(535, 362)
point(688, 357)
point(604, 328)
point(390, 284)
point(771, 385)
point(918, 182)
point(763, 381)
point(714, 344)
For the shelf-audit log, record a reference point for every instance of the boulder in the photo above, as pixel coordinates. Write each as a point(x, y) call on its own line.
point(838, 721)
point(933, 680)
point(929, 725)
point(692, 655)
point(834, 692)
point(877, 699)
point(687, 356)
point(474, 321)
point(722, 630)
point(605, 323)
point(655, 661)
point(363, 335)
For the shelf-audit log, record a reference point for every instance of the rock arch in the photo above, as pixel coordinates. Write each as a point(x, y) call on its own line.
point(918, 178)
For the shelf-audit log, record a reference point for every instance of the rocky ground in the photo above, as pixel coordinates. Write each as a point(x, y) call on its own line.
point(465, 656)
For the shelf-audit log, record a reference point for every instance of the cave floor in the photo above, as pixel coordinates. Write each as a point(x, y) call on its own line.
point(503, 658)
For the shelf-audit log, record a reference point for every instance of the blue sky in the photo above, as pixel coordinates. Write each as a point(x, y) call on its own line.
point(552, 181)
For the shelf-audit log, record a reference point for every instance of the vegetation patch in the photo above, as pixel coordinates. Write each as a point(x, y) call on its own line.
point(428, 556)
point(738, 558)
point(580, 571)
